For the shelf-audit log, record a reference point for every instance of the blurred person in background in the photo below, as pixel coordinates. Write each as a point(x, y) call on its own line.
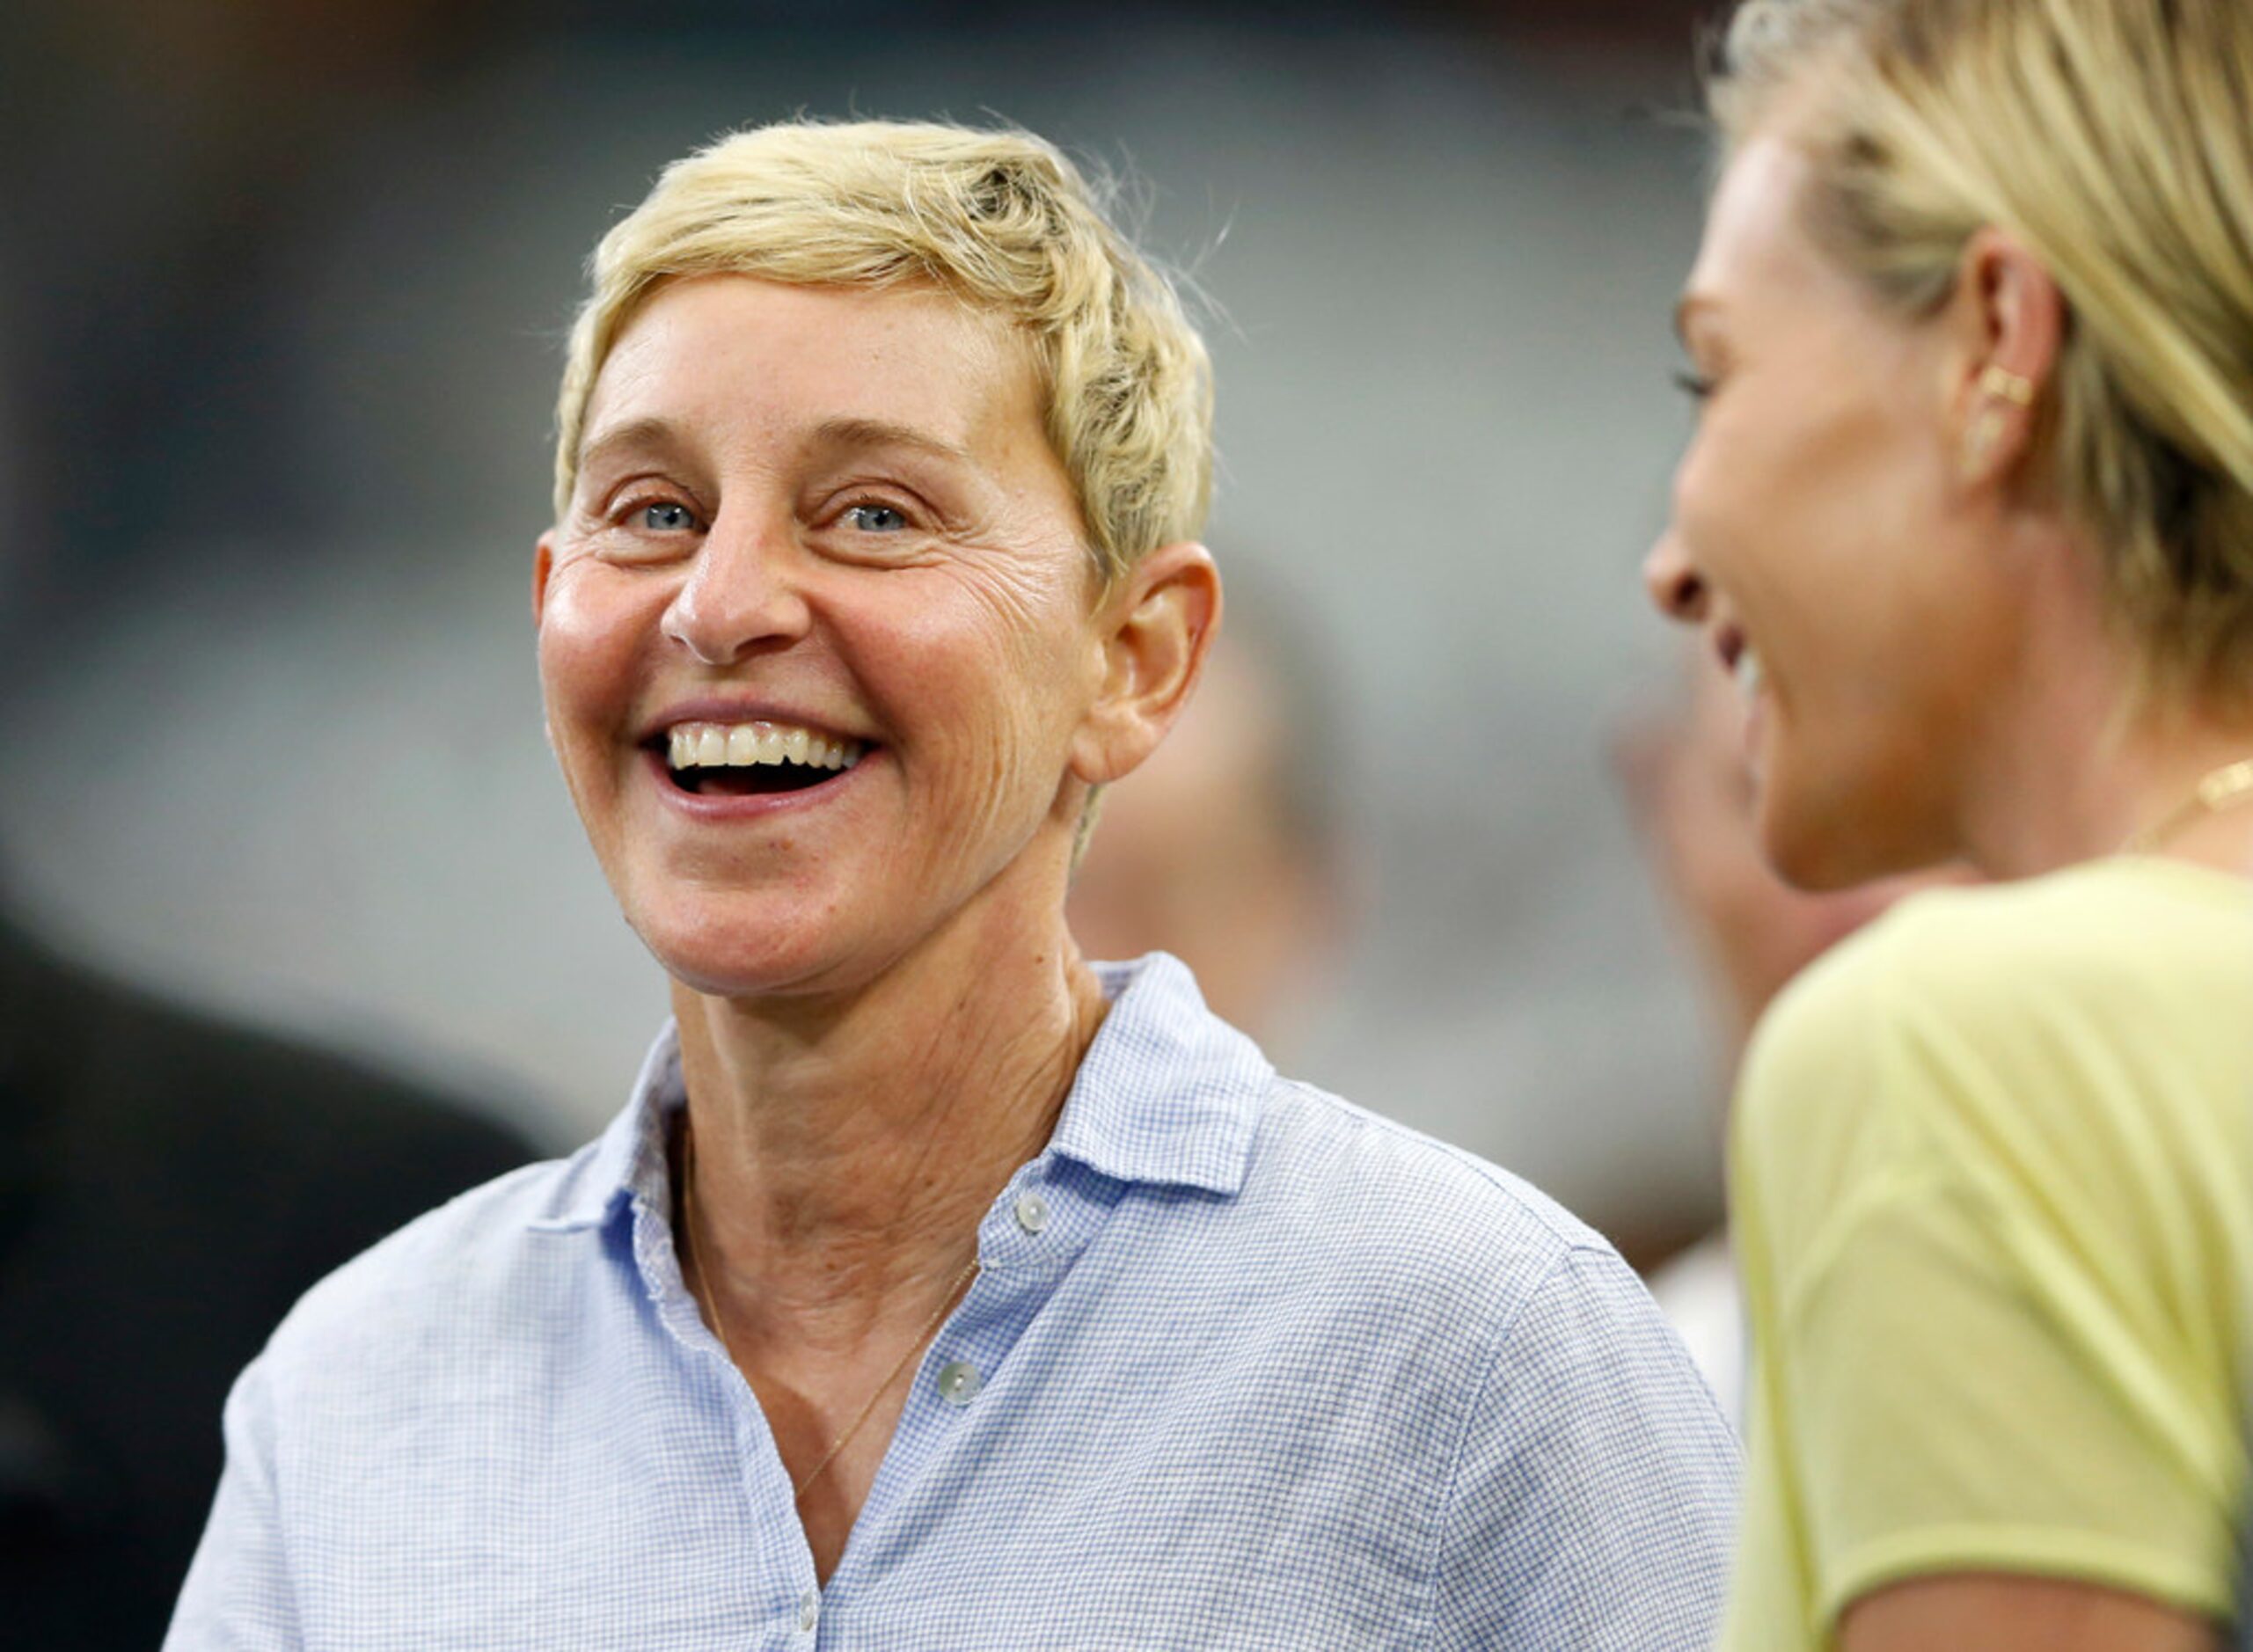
point(169, 1185)
point(1228, 848)
point(1969, 516)
point(1690, 790)
point(936, 1287)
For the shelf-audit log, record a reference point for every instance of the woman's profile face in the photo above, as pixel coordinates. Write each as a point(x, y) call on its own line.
point(821, 523)
point(1817, 539)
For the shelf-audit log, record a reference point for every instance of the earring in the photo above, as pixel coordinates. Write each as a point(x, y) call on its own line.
point(2005, 385)
point(2000, 385)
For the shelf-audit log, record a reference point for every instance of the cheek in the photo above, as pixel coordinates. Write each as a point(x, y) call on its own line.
point(1010, 648)
point(1003, 696)
point(1720, 489)
point(1036, 614)
point(1808, 517)
point(591, 631)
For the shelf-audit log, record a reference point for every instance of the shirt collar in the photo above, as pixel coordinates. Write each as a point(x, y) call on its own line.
point(628, 1160)
point(1168, 1093)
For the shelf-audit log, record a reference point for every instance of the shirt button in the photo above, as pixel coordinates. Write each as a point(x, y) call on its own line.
point(959, 1382)
point(809, 1610)
point(1032, 1212)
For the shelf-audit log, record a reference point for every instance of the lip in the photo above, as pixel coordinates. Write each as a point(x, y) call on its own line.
point(1729, 644)
point(714, 807)
point(717, 808)
point(718, 709)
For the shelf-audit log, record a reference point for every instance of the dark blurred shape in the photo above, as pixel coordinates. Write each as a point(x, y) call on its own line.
point(169, 1185)
point(1611, 27)
point(1227, 847)
point(166, 157)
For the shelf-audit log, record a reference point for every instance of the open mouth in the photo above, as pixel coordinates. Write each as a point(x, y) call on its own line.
point(1740, 661)
point(751, 759)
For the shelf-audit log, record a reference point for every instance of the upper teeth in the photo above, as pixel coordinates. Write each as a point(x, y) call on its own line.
point(740, 745)
point(1748, 673)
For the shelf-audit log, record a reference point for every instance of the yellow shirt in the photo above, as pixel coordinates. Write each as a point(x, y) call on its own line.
point(1993, 1193)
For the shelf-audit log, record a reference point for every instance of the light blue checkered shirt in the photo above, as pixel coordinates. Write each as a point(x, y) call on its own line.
point(1253, 1368)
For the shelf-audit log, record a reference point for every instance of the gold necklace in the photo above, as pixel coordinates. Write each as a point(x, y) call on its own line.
point(2217, 789)
point(711, 1306)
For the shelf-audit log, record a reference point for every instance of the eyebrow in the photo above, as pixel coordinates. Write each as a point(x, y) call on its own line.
point(650, 432)
point(659, 432)
point(882, 433)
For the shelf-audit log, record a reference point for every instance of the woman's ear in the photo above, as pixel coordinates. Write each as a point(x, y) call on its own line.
point(1156, 628)
point(543, 567)
point(2009, 320)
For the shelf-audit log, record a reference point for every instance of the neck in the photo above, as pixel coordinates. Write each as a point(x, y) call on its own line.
point(2064, 774)
point(2182, 819)
point(848, 1145)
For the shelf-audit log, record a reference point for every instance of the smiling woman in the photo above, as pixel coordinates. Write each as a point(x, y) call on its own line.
point(937, 1288)
point(1969, 514)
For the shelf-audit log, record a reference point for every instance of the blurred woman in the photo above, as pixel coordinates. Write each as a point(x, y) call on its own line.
point(937, 1288)
point(1969, 514)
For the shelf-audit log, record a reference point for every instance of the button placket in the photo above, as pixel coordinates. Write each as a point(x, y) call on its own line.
point(1019, 1254)
point(810, 1611)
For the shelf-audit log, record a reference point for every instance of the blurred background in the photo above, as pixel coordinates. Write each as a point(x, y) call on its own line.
point(282, 290)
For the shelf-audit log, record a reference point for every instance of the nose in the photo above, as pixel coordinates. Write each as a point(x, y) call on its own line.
point(741, 593)
point(1677, 589)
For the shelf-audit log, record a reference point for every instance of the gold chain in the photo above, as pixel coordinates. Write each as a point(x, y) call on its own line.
point(711, 1306)
point(2217, 790)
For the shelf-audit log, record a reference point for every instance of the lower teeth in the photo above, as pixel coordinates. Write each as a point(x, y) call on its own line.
point(757, 781)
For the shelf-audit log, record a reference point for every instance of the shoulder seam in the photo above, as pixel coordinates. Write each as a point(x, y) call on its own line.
point(1504, 1183)
point(1489, 1363)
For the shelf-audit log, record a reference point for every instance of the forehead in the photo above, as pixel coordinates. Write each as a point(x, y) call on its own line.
point(726, 356)
point(1754, 237)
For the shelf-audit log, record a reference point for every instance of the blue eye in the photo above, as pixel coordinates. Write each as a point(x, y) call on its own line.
point(875, 518)
point(665, 516)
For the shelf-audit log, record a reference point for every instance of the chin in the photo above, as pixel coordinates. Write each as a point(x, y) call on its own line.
point(1851, 842)
point(743, 955)
point(1823, 867)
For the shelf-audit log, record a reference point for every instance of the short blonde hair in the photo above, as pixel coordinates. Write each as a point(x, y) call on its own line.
point(1001, 219)
point(2115, 138)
